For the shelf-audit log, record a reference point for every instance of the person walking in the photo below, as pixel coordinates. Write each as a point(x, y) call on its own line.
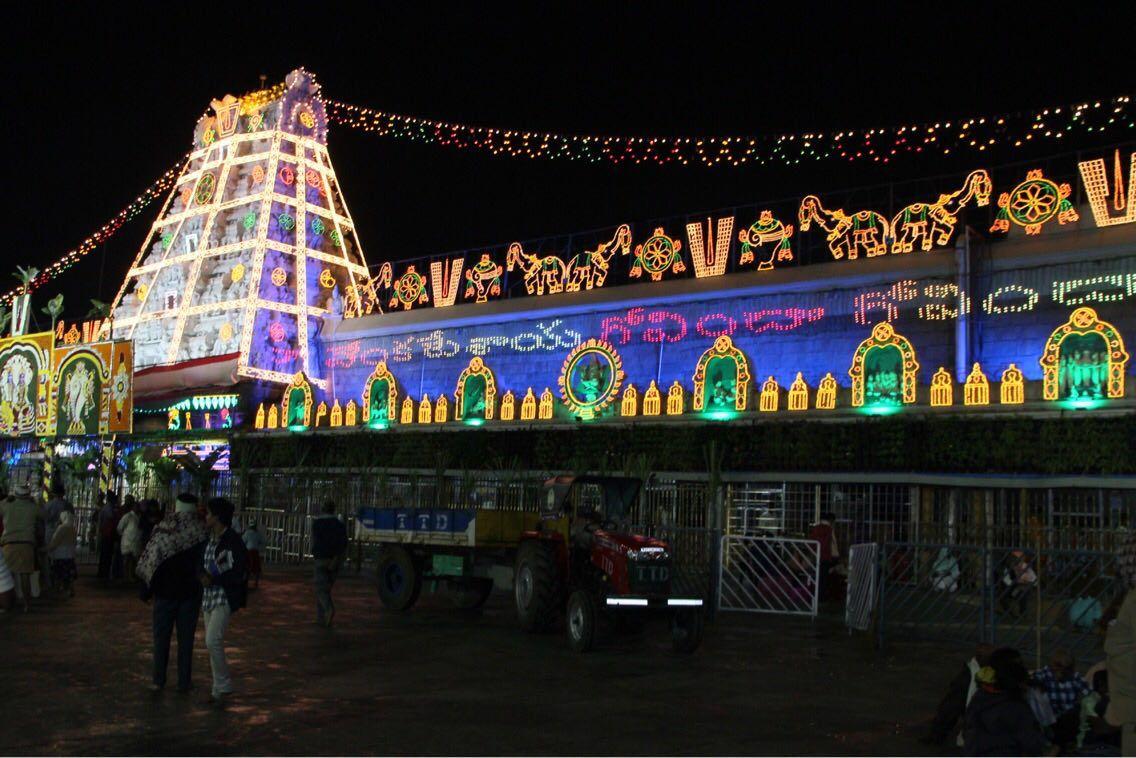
point(329, 544)
point(61, 552)
point(130, 532)
point(1120, 649)
point(825, 535)
point(19, 539)
point(224, 576)
point(107, 520)
point(168, 570)
point(254, 543)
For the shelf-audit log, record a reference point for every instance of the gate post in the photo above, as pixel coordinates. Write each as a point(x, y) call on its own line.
point(881, 578)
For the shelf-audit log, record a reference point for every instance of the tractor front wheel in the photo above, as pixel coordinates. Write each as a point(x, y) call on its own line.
point(581, 621)
point(686, 630)
point(400, 581)
point(536, 587)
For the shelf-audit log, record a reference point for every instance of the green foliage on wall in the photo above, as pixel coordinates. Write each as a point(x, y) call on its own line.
point(1076, 445)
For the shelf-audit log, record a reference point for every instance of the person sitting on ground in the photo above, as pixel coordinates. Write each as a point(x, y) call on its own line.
point(998, 720)
point(1094, 732)
point(254, 543)
point(958, 696)
point(1018, 580)
point(1064, 688)
point(61, 551)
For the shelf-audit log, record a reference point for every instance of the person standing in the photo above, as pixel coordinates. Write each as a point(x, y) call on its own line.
point(825, 535)
point(19, 539)
point(107, 533)
point(50, 515)
point(168, 570)
point(1120, 649)
point(130, 532)
point(61, 552)
point(254, 543)
point(7, 584)
point(329, 544)
point(224, 576)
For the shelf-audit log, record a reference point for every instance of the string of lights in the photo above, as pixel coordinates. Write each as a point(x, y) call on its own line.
point(882, 145)
point(977, 134)
point(156, 190)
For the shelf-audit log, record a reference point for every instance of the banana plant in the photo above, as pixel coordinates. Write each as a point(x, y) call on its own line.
point(200, 469)
point(103, 312)
point(53, 309)
point(26, 277)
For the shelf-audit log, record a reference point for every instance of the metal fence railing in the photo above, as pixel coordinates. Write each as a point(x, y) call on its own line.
point(769, 575)
point(1035, 600)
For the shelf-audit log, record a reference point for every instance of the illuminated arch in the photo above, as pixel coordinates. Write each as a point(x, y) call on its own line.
point(380, 385)
point(476, 372)
point(722, 350)
point(590, 378)
point(1084, 321)
point(884, 337)
point(298, 391)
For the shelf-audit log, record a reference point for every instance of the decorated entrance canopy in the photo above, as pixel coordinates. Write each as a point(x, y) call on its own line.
point(254, 246)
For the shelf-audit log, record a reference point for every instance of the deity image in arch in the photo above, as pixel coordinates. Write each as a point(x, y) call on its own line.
point(1083, 367)
point(473, 397)
point(380, 401)
point(297, 410)
point(18, 392)
point(883, 377)
point(590, 378)
point(721, 384)
point(80, 390)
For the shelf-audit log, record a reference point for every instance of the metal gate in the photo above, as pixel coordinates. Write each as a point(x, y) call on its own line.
point(769, 575)
point(861, 598)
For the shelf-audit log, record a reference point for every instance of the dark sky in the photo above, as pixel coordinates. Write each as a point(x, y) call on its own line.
point(101, 98)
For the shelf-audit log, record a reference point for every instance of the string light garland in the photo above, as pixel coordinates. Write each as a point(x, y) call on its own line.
point(882, 145)
point(157, 189)
point(975, 134)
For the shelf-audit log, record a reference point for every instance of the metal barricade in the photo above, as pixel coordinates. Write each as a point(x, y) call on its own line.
point(861, 598)
point(769, 575)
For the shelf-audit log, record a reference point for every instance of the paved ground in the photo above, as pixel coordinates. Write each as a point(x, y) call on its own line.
point(439, 680)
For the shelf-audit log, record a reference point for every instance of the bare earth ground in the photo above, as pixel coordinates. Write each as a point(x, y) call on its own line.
point(439, 680)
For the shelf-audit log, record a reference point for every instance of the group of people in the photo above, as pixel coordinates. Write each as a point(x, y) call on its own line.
point(1003, 709)
point(122, 531)
point(39, 543)
point(196, 563)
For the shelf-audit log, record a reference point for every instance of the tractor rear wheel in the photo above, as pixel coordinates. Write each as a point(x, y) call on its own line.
point(472, 593)
point(686, 630)
point(581, 621)
point(400, 581)
point(536, 587)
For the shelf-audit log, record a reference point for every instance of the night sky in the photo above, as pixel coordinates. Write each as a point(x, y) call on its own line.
point(101, 99)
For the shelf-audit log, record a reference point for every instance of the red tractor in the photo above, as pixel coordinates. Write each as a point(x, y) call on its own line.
point(583, 561)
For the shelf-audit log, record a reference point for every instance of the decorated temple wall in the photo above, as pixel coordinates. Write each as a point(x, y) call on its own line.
point(1013, 305)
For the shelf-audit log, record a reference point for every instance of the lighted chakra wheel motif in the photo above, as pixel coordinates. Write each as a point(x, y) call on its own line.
point(590, 378)
point(657, 255)
point(312, 178)
point(317, 225)
point(167, 240)
point(254, 122)
point(288, 175)
point(226, 331)
point(286, 222)
point(327, 279)
point(409, 289)
point(276, 332)
point(142, 290)
point(335, 238)
point(238, 272)
point(185, 194)
point(1034, 203)
point(279, 276)
point(209, 137)
point(307, 118)
point(205, 186)
point(257, 174)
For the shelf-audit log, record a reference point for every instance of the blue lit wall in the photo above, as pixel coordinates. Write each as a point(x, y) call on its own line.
point(1012, 312)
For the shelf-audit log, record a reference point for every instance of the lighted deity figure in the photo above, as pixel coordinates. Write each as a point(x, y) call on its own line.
point(1083, 374)
point(78, 397)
